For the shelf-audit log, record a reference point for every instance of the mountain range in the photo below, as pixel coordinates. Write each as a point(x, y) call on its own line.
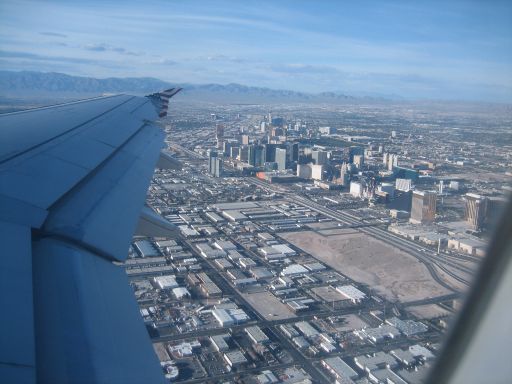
point(28, 84)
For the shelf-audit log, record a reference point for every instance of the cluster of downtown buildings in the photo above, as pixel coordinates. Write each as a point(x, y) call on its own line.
point(232, 300)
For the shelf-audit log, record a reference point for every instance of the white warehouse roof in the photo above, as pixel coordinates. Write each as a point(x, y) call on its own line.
point(166, 281)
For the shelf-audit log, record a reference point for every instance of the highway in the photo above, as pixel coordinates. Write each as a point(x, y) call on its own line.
point(425, 255)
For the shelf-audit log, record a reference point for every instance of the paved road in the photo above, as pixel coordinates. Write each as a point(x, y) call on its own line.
point(428, 258)
point(298, 358)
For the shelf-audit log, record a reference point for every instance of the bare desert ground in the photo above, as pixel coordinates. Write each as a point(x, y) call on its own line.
point(429, 311)
point(392, 273)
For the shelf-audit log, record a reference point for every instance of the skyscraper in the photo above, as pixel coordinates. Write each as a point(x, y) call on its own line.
point(270, 152)
point(244, 153)
point(215, 165)
point(256, 155)
point(219, 135)
point(219, 167)
point(319, 157)
point(234, 152)
point(219, 132)
point(385, 158)
point(476, 210)
point(212, 156)
point(359, 161)
point(423, 209)
point(317, 171)
point(295, 152)
point(226, 148)
point(280, 158)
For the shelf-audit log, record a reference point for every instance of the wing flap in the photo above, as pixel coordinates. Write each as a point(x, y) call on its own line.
point(86, 312)
point(101, 203)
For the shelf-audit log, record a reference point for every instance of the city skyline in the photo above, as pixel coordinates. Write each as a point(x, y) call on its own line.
point(460, 50)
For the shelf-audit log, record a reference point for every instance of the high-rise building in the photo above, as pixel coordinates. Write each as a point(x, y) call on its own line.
point(423, 208)
point(270, 152)
point(226, 148)
point(388, 188)
point(280, 158)
point(317, 171)
point(319, 157)
point(356, 189)
point(245, 139)
point(359, 161)
point(294, 150)
point(404, 185)
point(219, 135)
point(263, 127)
point(345, 178)
point(256, 155)
point(219, 167)
point(244, 153)
point(476, 210)
point(215, 164)
point(219, 132)
point(234, 152)
point(390, 160)
point(212, 155)
point(304, 171)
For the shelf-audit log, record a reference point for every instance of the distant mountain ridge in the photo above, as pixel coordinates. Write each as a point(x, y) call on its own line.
point(33, 85)
point(28, 83)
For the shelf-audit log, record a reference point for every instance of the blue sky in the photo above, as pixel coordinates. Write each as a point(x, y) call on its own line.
point(416, 49)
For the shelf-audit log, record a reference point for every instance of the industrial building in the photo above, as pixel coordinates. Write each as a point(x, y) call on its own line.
point(256, 335)
point(165, 282)
point(339, 369)
point(352, 293)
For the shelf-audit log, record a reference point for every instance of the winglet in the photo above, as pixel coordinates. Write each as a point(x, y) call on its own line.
point(161, 100)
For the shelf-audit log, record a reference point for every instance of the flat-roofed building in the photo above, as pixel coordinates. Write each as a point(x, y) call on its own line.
point(225, 245)
point(339, 369)
point(166, 281)
point(306, 329)
point(219, 342)
point(223, 317)
point(233, 215)
point(294, 270)
point(180, 292)
point(351, 293)
point(145, 248)
point(185, 349)
point(376, 361)
point(385, 375)
point(223, 263)
point(235, 358)
point(256, 335)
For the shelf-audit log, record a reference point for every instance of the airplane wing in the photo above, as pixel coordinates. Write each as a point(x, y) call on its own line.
point(73, 181)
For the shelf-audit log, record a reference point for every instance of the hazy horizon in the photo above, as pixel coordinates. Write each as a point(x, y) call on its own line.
point(459, 50)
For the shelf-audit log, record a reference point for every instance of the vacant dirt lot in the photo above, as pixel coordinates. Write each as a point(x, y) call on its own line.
point(430, 311)
point(390, 272)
